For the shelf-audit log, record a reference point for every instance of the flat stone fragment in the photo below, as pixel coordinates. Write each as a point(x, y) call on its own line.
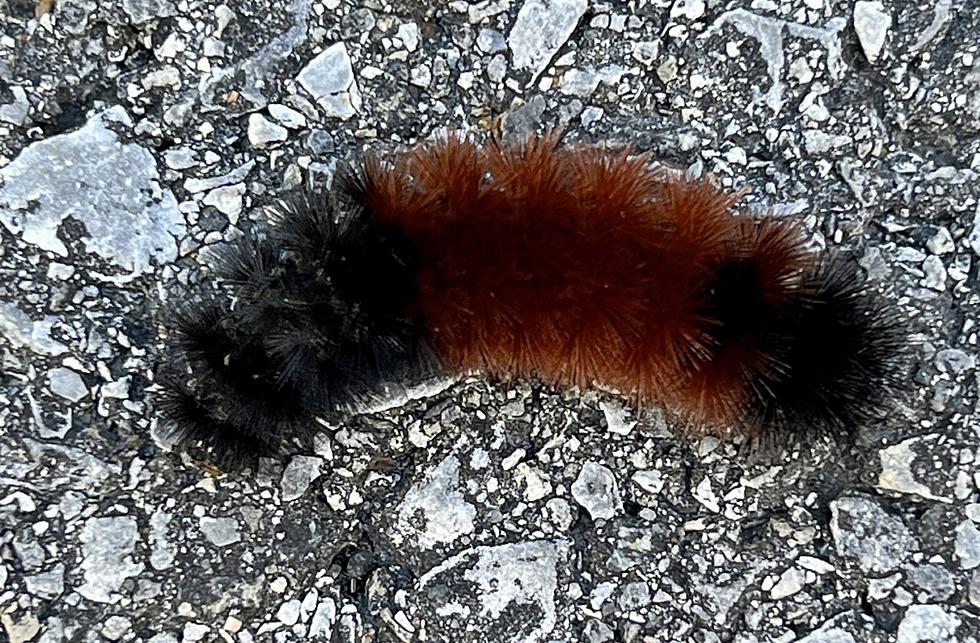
point(47, 584)
point(66, 383)
point(16, 111)
point(329, 78)
point(493, 583)
point(930, 623)
point(973, 238)
point(141, 11)
point(221, 532)
point(540, 30)
point(871, 22)
point(21, 331)
point(301, 471)
point(967, 544)
point(897, 468)
point(111, 187)
point(262, 132)
point(435, 511)
point(596, 490)
point(789, 583)
point(863, 532)
point(107, 550)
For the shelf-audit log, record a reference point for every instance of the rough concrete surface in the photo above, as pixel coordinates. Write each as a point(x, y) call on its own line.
point(136, 133)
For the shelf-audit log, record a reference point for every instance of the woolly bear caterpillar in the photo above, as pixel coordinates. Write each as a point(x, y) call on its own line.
point(577, 265)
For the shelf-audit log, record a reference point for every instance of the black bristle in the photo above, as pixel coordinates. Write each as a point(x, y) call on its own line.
point(841, 359)
point(309, 320)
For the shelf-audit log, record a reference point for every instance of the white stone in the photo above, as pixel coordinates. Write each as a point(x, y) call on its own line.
point(287, 116)
point(194, 632)
point(973, 238)
point(141, 11)
point(896, 469)
point(111, 187)
point(329, 78)
point(288, 613)
point(871, 22)
point(935, 272)
point(16, 112)
point(66, 383)
point(863, 531)
point(21, 331)
point(540, 30)
point(650, 481)
point(220, 531)
point(968, 544)
point(690, 9)
point(228, 199)
point(941, 243)
point(596, 490)
point(408, 33)
point(435, 511)
point(301, 471)
point(107, 550)
point(791, 582)
point(930, 623)
point(262, 132)
point(504, 580)
point(619, 420)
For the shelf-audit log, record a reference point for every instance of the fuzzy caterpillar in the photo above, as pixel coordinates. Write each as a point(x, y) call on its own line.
point(578, 265)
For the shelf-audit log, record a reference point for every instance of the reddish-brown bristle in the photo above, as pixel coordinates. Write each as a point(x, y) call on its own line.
point(581, 265)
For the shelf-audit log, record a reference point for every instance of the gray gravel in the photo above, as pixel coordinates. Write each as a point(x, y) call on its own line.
point(135, 135)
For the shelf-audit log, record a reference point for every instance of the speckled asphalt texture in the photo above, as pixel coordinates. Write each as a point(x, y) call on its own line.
point(135, 134)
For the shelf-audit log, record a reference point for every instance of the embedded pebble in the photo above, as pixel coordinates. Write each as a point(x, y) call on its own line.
point(539, 31)
point(935, 273)
point(930, 623)
point(66, 383)
point(108, 546)
point(596, 490)
point(220, 531)
point(435, 511)
point(262, 132)
point(967, 544)
point(329, 78)
point(299, 475)
point(48, 584)
point(501, 582)
point(110, 186)
point(790, 583)
point(287, 116)
point(941, 243)
point(144, 10)
point(863, 532)
point(871, 22)
point(22, 331)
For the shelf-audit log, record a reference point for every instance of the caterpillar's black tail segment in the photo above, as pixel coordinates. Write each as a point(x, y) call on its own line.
point(820, 353)
point(305, 321)
point(845, 358)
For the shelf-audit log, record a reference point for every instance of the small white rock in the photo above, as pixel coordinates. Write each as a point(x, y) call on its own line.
point(596, 490)
point(262, 132)
point(66, 383)
point(287, 116)
point(941, 243)
point(789, 583)
point(871, 22)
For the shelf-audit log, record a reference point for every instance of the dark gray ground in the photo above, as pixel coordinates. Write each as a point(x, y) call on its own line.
point(135, 133)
